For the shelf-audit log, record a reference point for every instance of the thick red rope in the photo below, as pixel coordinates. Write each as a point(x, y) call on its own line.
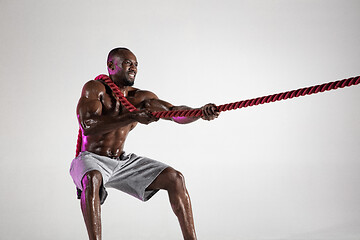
point(119, 96)
point(266, 99)
point(230, 106)
point(117, 92)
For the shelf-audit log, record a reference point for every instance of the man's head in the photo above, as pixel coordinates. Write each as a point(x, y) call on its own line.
point(122, 66)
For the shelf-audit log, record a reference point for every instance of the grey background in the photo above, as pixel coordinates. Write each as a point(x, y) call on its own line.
point(286, 170)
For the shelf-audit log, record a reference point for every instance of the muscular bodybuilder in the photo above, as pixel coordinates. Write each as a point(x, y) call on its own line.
point(105, 124)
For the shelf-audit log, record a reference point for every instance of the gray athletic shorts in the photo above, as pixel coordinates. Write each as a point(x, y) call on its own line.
point(130, 173)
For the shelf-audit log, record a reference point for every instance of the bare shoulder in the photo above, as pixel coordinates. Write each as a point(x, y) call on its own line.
point(142, 95)
point(93, 89)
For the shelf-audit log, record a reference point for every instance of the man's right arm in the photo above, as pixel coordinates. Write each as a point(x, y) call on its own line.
point(90, 112)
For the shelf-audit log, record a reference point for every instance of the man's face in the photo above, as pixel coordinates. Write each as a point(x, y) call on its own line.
point(123, 68)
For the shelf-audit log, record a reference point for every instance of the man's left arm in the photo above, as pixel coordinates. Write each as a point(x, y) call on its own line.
point(154, 104)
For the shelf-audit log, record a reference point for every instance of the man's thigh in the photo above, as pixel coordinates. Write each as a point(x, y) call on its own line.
point(135, 175)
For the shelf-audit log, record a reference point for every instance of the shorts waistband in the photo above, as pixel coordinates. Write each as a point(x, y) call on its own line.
point(118, 158)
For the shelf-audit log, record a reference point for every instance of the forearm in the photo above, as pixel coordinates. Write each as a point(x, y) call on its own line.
point(183, 120)
point(157, 105)
point(103, 124)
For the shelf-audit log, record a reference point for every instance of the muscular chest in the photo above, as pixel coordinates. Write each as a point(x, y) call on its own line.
point(111, 106)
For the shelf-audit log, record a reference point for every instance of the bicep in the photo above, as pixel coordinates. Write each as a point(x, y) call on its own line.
point(156, 105)
point(89, 106)
point(148, 100)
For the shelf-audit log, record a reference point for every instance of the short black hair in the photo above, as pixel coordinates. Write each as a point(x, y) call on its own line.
point(116, 51)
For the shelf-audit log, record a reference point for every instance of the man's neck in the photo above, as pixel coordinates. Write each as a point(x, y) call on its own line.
point(124, 89)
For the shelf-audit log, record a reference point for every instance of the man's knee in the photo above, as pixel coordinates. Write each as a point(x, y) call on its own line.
point(91, 182)
point(175, 179)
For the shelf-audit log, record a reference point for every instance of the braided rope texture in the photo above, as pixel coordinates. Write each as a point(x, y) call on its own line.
point(117, 92)
point(266, 99)
point(230, 106)
point(115, 89)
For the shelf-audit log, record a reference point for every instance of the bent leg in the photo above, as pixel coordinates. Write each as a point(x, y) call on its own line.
point(90, 203)
point(173, 181)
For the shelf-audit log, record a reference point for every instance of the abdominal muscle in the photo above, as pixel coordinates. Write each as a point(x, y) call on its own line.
point(110, 144)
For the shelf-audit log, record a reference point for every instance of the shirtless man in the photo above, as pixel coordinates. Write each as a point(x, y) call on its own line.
point(105, 124)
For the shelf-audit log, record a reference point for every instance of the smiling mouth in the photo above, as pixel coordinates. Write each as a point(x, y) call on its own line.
point(132, 74)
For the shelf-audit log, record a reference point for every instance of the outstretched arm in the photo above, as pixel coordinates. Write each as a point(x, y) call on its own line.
point(152, 103)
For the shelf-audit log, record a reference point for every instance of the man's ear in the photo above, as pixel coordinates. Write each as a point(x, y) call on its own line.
point(110, 65)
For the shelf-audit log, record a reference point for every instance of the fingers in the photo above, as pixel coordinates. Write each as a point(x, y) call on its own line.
point(153, 118)
point(150, 117)
point(146, 117)
point(210, 112)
